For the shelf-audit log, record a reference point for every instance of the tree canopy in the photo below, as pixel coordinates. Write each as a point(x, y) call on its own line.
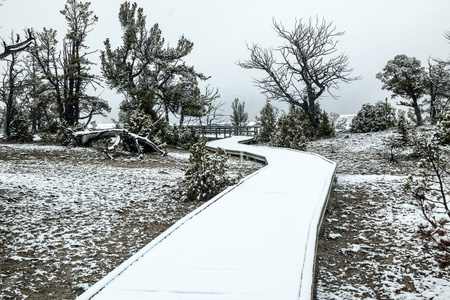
point(68, 72)
point(152, 77)
point(437, 85)
point(405, 77)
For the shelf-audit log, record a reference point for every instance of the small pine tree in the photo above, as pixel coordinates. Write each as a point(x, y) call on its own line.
point(290, 131)
point(239, 116)
point(267, 122)
point(387, 113)
point(406, 132)
point(325, 127)
point(404, 136)
point(206, 176)
point(138, 122)
point(20, 125)
point(183, 137)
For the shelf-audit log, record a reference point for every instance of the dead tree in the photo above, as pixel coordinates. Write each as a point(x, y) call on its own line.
point(302, 69)
point(86, 138)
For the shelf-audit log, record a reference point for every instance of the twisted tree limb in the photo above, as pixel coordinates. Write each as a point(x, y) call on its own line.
point(85, 138)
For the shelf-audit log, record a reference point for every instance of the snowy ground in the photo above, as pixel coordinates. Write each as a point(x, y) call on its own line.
point(368, 248)
point(69, 216)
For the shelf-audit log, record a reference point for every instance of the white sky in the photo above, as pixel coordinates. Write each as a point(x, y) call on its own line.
point(375, 31)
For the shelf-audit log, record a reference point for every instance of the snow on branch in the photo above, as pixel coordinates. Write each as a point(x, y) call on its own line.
point(18, 46)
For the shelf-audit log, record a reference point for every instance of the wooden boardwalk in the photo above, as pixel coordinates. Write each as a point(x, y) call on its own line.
point(256, 240)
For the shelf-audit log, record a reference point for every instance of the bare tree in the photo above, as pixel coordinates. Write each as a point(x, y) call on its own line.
point(305, 67)
point(214, 111)
point(214, 114)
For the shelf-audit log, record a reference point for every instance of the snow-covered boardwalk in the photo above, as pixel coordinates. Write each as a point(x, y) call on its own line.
point(256, 240)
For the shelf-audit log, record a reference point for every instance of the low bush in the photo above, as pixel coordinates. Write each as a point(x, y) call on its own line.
point(182, 137)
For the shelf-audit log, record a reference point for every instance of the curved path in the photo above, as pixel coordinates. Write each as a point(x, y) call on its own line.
point(256, 240)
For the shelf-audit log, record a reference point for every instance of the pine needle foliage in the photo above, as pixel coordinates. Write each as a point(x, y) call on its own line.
point(293, 131)
point(371, 118)
point(206, 175)
point(443, 129)
point(267, 122)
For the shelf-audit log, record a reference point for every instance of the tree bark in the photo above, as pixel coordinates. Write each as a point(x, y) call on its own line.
point(312, 113)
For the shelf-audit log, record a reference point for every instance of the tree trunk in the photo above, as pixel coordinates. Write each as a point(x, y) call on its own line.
point(312, 113)
point(416, 107)
point(10, 97)
point(433, 109)
point(166, 113)
point(34, 117)
point(7, 122)
point(181, 118)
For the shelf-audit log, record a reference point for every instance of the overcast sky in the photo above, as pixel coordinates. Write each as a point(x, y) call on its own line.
point(375, 31)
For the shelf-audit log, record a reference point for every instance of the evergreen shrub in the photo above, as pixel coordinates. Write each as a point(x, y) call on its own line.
point(267, 121)
point(206, 175)
point(182, 137)
point(371, 118)
point(292, 131)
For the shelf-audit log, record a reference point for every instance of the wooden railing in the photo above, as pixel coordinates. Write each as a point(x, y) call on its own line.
point(223, 131)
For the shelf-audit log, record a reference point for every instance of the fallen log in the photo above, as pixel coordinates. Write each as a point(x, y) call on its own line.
point(86, 138)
